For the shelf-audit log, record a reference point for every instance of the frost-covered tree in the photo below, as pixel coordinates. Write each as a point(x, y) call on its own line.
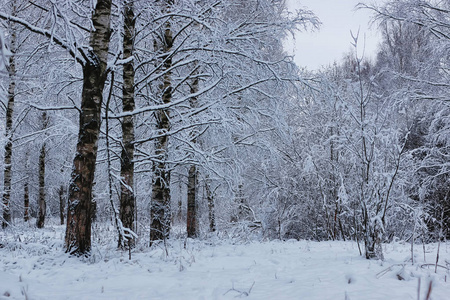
point(127, 193)
point(79, 218)
point(68, 34)
point(346, 158)
point(184, 88)
point(12, 74)
point(425, 85)
point(41, 200)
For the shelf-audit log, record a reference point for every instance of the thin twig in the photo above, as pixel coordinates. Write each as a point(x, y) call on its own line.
point(430, 287)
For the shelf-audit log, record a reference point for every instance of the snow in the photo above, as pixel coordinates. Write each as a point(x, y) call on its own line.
point(34, 266)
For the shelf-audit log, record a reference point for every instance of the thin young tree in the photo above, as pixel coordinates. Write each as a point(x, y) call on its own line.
point(26, 194)
point(192, 206)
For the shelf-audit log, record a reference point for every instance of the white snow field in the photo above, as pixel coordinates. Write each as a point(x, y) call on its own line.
point(34, 266)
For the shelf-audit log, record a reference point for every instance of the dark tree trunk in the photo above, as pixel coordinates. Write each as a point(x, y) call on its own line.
point(160, 213)
point(127, 199)
point(61, 204)
point(42, 205)
point(180, 201)
point(41, 200)
point(192, 222)
point(79, 214)
point(6, 198)
point(211, 210)
point(26, 202)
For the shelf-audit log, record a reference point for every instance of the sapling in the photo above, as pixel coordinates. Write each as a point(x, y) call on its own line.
point(439, 240)
point(423, 244)
point(413, 239)
point(437, 256)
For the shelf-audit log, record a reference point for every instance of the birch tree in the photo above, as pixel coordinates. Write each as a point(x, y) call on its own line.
point(160, 208)
point(78, 232)
point(93, 60)
point(6, 196)
point(127, 198)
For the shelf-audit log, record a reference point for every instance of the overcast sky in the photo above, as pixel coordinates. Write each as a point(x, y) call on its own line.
point(333, 40)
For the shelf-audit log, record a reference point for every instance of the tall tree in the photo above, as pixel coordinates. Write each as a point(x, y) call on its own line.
point(6, 196)
point(41, 199)
point(425, 85)
point(78, 230)
point(127, 196)
point(192, 221)
point(160, 207)
point(68, 34)
point(192, 206)
point(211, 207)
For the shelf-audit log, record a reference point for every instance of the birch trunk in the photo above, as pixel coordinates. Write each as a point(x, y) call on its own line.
point(160, 213)
point(127, 198)
point(6, 198)
point(78, 230)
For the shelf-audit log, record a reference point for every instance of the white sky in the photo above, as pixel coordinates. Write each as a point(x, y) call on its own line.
point(333, 40)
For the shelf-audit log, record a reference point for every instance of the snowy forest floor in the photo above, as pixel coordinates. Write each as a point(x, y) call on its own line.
point(34, 266)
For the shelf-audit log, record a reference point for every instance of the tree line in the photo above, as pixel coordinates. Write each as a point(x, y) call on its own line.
point(157, 81)
point(156, 114)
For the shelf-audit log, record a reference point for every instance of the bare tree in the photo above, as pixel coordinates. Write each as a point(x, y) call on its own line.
point(127, 197)
point(160, 208)
point(192, 206)
point(42, 204)
point(78, 232)
point(6, 197)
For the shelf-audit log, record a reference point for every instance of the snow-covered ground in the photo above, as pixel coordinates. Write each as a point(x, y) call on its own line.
point(33, 266)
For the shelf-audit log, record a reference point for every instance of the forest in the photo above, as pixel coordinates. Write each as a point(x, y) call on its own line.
point(134, 125)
